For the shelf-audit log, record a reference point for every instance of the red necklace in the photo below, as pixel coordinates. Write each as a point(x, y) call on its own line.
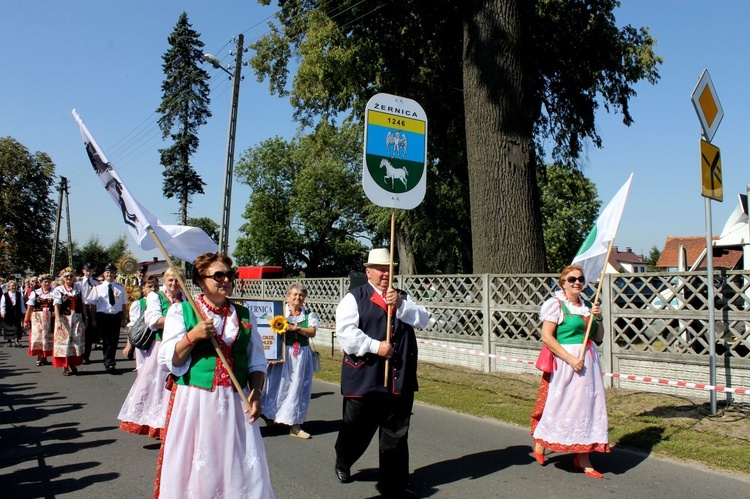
point(223, 311)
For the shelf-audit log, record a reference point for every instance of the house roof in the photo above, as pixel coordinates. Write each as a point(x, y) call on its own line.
point(724, 258)
point(617, 258)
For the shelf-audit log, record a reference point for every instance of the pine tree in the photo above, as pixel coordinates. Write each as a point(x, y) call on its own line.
point(184, 108)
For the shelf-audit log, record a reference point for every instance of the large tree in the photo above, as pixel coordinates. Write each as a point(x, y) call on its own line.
point(184, 108)
point(536, 70)
point(306, 211)
point(349, 50)
point(26, 210)
point(569, 210)
point(496, 78)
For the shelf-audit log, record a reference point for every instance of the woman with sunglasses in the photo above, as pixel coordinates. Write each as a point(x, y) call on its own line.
point(570, 414)
point(211, 448)
point(144, 411)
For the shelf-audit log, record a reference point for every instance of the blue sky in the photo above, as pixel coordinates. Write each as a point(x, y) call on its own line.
point(104, 59)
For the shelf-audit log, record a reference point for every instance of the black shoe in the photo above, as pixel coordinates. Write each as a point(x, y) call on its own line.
point(112, 370)
point(343, 474)
point(85, 362)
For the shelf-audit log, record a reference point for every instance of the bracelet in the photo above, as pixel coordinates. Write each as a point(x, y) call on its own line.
point(187, 337)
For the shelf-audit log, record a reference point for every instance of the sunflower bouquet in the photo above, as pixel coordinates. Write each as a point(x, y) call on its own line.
point(278, 324)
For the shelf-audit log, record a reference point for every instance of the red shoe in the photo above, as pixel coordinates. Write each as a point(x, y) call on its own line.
point(590, 472)
point(538, 455)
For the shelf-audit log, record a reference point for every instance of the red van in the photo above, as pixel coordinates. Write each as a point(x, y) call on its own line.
point(266, 272)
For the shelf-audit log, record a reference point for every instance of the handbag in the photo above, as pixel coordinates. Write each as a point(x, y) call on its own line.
point(546, 361)
point(316, 357)
point(140, 335)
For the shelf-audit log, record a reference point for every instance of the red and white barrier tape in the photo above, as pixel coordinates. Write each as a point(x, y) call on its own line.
point(629, 377)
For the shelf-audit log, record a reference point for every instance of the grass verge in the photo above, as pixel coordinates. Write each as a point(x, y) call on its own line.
point(664, 425)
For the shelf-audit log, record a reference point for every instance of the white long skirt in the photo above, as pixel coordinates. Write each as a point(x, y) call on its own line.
point(286, 394)
point(575, 414)
point(210, 450)
point(144, 411)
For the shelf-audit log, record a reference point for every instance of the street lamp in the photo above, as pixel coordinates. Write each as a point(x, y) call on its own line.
point(227, 198)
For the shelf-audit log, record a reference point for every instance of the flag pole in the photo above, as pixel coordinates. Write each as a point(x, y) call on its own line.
point(596, 298)
point(390, 307)
point(191, 300)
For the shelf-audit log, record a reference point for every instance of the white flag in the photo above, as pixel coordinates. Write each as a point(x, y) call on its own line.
point(593, 252)
point(179, 240)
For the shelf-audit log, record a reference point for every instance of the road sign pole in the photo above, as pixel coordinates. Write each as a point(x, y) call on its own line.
point(711, 307)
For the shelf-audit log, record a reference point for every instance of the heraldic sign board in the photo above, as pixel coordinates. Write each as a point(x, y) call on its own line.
point(393, 170)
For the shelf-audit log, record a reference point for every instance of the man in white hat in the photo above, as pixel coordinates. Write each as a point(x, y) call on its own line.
point(369, 405)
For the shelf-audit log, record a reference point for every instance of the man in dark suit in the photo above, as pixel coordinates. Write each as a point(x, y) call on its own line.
point(373, 401)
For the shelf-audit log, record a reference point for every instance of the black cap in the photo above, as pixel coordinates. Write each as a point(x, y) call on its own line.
point(87, 266)
point(110, 267)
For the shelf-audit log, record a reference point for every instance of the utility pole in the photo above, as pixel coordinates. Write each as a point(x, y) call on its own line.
point(228, 172)
point(63, 187)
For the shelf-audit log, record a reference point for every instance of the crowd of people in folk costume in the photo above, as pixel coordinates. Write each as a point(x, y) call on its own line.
point(205, 352)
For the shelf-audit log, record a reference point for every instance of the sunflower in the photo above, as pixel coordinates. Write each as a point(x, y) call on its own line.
point(278, 324)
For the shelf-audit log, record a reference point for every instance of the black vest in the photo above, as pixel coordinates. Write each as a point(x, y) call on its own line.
point(361, 375)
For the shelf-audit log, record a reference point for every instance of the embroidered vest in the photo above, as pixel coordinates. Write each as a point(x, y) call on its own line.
point(204, 365)
point(573, 327)
point(292, 337)
point(365, 374)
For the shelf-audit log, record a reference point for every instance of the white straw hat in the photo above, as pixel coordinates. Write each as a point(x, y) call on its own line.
point(379, 256)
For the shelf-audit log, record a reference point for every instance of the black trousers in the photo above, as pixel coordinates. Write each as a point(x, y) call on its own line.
point(109, 332)
point(92, 335)
point(390, 415)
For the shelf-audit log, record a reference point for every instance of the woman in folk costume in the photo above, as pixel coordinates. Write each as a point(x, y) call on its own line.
point(570, 414)
point(69, 341)
point(211, 447)
point(40, 319)
point(137, 308)
point(286, 394)
point(145, 409)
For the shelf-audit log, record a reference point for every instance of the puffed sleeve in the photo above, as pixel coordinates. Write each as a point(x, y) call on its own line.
point(550, 311)
point(56, 296)
point(153, 309)
point(312, 319)
point(174, 331)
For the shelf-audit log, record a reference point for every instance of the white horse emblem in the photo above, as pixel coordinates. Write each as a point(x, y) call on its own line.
point(393, 173)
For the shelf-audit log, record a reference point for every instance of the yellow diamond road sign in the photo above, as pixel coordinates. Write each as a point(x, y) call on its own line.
point(707, 105)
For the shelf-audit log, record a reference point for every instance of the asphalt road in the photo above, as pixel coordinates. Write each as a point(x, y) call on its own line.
point(59, 437)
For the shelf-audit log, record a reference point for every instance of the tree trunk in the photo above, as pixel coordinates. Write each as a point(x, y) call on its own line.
point(406, 261)
point(506, 221)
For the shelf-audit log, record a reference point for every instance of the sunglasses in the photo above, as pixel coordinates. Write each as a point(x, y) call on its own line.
point(221, 276)
point(572, 279)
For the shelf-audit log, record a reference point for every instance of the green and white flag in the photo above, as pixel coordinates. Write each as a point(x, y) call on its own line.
point(593, 252)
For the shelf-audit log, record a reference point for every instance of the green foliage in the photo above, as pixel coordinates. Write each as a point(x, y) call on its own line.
point(569, 210)
point(208, 225)
point(95, 253)
point(541, 75)
point(345, 56)
point(306, 209)
point(28, 213)
point(184, 108)
point(577, 59)
point(653, 258)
